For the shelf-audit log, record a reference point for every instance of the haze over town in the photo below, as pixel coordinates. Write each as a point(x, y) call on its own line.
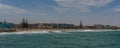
point(61, 11)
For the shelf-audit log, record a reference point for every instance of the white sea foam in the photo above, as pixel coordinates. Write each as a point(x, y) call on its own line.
point(57, 31)
point(91, 30)
point(25, 32)
point(32, 32)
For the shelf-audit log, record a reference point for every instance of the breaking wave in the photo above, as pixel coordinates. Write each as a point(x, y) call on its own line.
point(25, 32)
point(32, 32)
point(51, 32)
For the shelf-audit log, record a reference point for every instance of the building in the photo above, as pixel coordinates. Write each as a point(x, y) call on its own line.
point(4, 25)
point(51, 25)
point(98, 26)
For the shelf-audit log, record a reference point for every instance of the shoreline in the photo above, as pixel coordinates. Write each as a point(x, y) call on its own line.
point(53, 30)
point(61, 31)
point(28, 30)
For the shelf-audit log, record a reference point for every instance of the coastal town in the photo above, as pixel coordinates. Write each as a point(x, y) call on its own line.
point(24, 25)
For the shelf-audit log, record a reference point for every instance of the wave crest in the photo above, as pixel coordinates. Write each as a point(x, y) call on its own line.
point(49, 32)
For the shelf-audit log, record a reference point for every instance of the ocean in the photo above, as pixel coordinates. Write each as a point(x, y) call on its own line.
point(100, 39)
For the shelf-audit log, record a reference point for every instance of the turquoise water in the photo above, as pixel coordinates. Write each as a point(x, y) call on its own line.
point(106, 39)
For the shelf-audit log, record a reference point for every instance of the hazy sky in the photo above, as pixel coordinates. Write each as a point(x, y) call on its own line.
point(61, 11)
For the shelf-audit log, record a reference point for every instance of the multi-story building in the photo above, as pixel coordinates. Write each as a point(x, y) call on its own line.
point(98, 26)
point(51, 25)
point(6, 25)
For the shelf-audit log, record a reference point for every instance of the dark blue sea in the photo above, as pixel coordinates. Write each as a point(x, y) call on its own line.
point(101, 39)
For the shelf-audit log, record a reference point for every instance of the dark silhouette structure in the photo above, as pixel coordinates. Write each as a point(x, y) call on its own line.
point(81, 25)
point(24, 23)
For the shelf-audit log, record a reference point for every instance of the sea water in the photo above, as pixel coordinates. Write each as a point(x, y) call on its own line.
point(45, 39)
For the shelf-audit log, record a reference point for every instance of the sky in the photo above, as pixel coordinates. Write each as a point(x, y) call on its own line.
point(91, 12)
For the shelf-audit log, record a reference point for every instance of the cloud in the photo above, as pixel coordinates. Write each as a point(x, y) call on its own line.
point(7, 9)
point(59, 9)
point(117, 9)
point(11, 13)
point(83, 5)
point(113, 10)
